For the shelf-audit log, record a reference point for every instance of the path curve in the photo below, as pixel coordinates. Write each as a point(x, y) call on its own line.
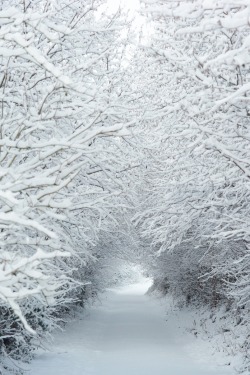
point(127, 334)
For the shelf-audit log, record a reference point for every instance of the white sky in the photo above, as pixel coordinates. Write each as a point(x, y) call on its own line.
point(131, 5)
point(133, 8)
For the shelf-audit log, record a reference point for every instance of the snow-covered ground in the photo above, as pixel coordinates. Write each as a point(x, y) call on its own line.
point(129, 333)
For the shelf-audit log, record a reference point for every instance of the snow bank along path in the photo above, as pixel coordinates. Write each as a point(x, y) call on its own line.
point(128, 334)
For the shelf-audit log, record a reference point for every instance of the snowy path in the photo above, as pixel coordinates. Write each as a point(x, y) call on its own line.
point(127, 335)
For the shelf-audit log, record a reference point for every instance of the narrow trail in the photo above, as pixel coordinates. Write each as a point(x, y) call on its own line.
point(127, 334)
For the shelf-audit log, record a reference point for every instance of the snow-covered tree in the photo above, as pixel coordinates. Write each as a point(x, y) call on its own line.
point(64, 124)
point(197, 185)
